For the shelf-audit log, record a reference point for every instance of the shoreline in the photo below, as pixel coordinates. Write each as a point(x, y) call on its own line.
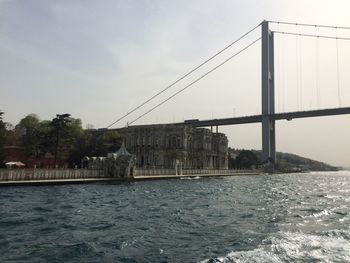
point(133, 179)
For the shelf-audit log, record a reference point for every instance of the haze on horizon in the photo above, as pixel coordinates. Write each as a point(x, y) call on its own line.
point(98, 60)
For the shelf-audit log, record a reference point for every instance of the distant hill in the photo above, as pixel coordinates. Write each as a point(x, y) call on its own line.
point(290, 162)
point(293, 160)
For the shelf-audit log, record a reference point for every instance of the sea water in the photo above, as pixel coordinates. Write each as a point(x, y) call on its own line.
point(262, 218)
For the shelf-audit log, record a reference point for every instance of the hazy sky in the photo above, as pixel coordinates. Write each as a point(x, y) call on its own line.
point(98, 59)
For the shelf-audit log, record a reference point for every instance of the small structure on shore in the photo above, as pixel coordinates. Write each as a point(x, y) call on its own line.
point(17, 164)
point(119, 164)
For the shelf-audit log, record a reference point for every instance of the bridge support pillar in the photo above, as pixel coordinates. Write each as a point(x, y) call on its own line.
point(267, 95)
point(268, 140)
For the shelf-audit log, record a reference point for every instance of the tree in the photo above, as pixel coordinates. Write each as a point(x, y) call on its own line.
point(2, 138)
point(59, 127)
point(65, 132)
point(100, 144)
point(246, 159)
point(282, 165)
point(111, 142)
point(6, 135)
point(94, 143)
point(44, 132)
point(31, 135)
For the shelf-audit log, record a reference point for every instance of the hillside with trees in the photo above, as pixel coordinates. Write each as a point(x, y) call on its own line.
point(286, 162)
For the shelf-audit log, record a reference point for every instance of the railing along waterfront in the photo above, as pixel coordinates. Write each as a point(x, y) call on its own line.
point(68, 174)
point(48, 174)
point(162, 171)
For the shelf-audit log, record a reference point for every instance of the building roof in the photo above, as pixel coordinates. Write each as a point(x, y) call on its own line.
point(122, 151)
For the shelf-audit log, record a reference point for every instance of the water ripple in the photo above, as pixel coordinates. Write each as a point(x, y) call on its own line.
point(268, 218)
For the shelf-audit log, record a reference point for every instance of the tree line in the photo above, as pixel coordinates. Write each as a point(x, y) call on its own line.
point(243, 159)
point(62, 138)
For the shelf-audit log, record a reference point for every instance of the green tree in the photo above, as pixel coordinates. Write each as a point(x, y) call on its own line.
point(111, 142)
point(80, 149)
point(6, 137)
point(100, 144)
point(2, 138)
point(282, 165)
point(246, 159)
point(45, 137)
point(94, 143)
point(30, 139)
point(59, 127)
point(65, 132)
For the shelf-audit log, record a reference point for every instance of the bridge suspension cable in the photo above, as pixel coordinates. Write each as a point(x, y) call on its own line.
point(184, 76)
point(311, 35)
point(308, 25)
point(195, 81)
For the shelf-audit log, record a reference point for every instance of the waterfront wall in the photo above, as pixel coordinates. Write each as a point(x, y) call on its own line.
point(48, 174)
point(155, 172)
point(61, 174)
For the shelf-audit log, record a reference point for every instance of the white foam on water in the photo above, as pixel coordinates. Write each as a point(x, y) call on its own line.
point(347, 218)
point(324, 212)
point(190, 178)
point(335, 197)
point(256, 255)
point(295, 247)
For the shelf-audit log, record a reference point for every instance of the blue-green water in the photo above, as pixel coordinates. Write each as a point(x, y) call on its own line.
point(269, 218)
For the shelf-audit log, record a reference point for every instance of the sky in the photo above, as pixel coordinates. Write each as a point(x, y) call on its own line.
point(97, 60)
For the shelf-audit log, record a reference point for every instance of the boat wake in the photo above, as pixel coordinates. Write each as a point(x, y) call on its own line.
point(329, 246)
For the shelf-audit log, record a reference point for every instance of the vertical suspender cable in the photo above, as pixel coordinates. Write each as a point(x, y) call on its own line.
point(283, 75)
point(317, 62)
point(297, 67)
point(279, 69)
point(338, 74)
point(300, 73)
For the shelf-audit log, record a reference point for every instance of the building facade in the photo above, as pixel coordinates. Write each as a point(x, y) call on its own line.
point(163, 146)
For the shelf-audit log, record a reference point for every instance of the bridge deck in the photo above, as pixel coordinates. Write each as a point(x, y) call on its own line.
point(258, 118)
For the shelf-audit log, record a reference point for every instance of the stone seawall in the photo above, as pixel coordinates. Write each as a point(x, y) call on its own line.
point(48, 174)
point(155, 172)
point(12, 175)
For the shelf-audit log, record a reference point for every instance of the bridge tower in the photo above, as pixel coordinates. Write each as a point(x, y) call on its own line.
point(267, 94)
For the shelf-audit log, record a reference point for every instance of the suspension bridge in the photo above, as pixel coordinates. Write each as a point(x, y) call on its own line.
point(268, 115)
